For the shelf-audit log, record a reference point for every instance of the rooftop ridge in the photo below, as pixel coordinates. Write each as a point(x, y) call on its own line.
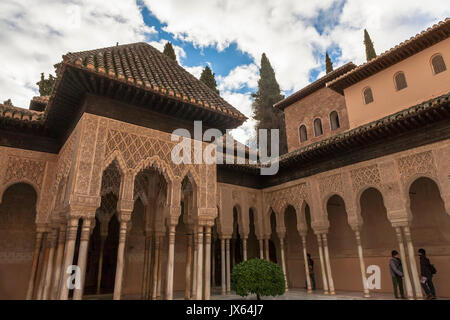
point(379, 64)
point(140, 64)
point(313, 86)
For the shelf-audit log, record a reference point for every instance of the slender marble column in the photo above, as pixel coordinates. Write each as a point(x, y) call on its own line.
point(322, 265)
point(71, 236)
point(266, 241)
point(413, 264)
point(147, 295)
point(194, 266)
point(160, 261)
point(43, 272)
point(120, 260)
point(187, 291)
point(170, 263)
point(82, 256)
point(100, 262)
point(200, 264)
point(207, 293)
point(145, 268)
point(261, 248)
point(37, 250)
point(283, 262)
point(362, 264)
point(155, 266)
point(305, 258)
point(244, 248)
point(223, 267)
point(213, 262)
point(409, 290)
point(327, 260)
point(59, 260)
point(227, 244)
point(49, 272)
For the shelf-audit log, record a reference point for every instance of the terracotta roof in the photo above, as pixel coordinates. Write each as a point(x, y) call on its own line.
point(143, 66)
point(15, 114)
point(316, 85)
point(404, 50)
point(39, 103)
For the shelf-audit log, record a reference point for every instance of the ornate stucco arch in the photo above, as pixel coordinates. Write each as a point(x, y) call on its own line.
point(408, 184)
point(35, 187)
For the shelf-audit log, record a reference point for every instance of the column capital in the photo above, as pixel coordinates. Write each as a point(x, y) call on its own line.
point(281, 234)
point(82, 202)
point(399, 223)
point(320, 227)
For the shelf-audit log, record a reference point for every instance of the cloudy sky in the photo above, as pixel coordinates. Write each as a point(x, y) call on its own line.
point(228, 35)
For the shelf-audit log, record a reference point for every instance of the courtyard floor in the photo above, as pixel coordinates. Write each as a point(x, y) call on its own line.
point(292, 294)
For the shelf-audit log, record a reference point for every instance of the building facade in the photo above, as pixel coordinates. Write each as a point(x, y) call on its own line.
point(88, 185)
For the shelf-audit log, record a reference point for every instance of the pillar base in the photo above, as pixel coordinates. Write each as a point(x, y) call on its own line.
point(310, 291)
point(333, 293)
point(367, 295)
point(326, 292)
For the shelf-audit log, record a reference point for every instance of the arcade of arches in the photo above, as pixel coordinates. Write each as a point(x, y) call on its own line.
point(136, 225)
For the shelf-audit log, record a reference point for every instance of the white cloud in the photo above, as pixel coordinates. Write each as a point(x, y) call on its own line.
point(284, 29)
point(35, 35)
point(196, 71)
point(242, 102)
point(245, 75)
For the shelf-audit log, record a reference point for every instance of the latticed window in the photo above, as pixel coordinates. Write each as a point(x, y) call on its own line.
point(400, 81)
point(303, 134)
point(318, 127)
point(334, 121)
point(438, 64)
point(368, 96)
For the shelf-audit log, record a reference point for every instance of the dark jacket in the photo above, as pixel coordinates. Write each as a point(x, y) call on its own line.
point(395, 267)
point(311, 265)
point(425, 267)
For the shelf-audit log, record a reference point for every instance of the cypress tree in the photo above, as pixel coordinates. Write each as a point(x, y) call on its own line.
point(328, 63)
point(46, 85)
point(268, 94)
point(208, 78)
point(370, 50)
point(169, 51)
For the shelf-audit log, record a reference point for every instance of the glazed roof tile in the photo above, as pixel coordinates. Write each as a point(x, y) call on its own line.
point(143, 66)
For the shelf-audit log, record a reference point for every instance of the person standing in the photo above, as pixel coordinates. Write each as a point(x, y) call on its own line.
point(311, 272)
point(427, 271)
point(396, 270)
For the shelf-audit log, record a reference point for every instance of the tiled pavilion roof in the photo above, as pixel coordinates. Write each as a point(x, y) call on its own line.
point(141, 65)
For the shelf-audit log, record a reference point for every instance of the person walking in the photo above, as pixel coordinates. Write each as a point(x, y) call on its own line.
point(311, 272)
point(396, 270)
point(427, 270)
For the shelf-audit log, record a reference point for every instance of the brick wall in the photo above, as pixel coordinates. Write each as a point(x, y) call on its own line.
point(317, 105)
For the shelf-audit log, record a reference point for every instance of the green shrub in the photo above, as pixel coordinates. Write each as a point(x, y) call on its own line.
point(259, 277)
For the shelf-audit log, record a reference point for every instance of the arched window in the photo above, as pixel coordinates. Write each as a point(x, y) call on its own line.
point(318, 127)
point(400, 81)
point(438, 64)
point(334, 120)
point(303, 134)
point(368, 96)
